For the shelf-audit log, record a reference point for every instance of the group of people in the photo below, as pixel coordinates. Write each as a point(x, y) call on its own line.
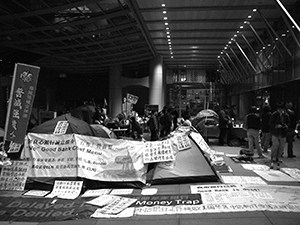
point(162, 123)
point(271, 130)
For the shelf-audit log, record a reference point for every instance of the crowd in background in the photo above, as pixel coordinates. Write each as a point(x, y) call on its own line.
point(265, 130)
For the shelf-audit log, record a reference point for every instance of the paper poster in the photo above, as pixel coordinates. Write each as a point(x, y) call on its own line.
point(197, 189)
point(149, 191)
point(275, 175)
point(37, 193)
point(128, 212)
point(243, 180)
point(201, 142)
point(158, 151)
point(66, 189)
point(61, 127)
point(14, 177)
point(132, 98)
point(14, 147)
point(112, 204)
point(126, 191)
point(183, 142)
point(95, 192)
point(255, 167)
point(293, 172)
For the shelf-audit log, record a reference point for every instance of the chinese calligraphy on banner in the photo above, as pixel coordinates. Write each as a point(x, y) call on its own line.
point(14, 177)
point(21, 100)
point(158, 151)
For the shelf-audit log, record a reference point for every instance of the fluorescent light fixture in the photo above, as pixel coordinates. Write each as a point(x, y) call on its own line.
point(165, 18)
point(164, 12)
point(166, 24)
point(163, 5)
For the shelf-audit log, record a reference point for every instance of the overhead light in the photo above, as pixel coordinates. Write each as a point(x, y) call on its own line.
point(163, 5)
point(249, 17)
point(168, 36)
point(254, 10)
point(168, 32)
point(166, 24)
point(172, 57)
point(165, 18)
point(169, 39)
point(169, 43)
point(283, 35)
point(164, 12)
point(241, 27)
point(167, 28)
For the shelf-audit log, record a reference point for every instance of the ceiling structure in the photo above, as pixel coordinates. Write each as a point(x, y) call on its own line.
point(88, 36)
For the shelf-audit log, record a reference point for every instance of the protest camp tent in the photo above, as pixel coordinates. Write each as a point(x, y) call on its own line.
point(76, 126)
point(103, 131)
point(206, 122)
point(190, 166)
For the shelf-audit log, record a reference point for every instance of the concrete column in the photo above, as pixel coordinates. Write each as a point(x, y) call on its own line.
point(245, 103)
point(156, 83)
point(115, 90)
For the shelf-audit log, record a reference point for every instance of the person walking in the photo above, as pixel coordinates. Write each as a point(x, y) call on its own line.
point(265, 128)
point(291, 129)
point(278, 122)
point(253, 124)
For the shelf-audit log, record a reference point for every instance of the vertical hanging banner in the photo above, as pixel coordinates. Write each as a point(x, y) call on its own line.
point(20, 102)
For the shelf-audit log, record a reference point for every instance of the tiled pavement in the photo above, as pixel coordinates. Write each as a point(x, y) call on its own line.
point(244, 218)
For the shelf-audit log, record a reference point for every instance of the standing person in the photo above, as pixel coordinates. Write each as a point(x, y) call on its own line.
point(153, 125)
point(175, 115)
point(135, 129)
point(169, 121)
point(253, 124)
point(291, 129)
point(278, 122)
point(265, 128)
point(224, 120)
point(162, 121)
